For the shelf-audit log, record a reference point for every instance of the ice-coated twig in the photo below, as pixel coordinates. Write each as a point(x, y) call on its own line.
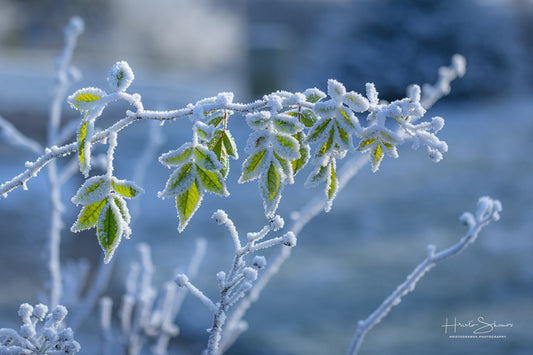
point(488, 210)
point(41, 333)
point(14, 137)
point(65, 76)
point(234, 324)
point(432, 93)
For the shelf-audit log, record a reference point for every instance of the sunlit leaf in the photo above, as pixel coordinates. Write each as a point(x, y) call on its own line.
point(187, 203)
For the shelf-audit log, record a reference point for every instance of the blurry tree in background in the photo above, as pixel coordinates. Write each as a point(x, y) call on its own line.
point(395, 43)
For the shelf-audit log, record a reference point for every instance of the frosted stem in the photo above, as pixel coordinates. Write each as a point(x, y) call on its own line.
point(431, 260)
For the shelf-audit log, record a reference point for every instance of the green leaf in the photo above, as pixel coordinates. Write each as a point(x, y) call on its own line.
point(317, 176)
point(123, 208)
point(177, 157)
point(179, 181)
point(286, 167)
point(206, 158)
point(229, 144)
point(92, 190)
point(84, 147)
point(308, 118)
point(127, 189)
point(88, 216)
point(274, 181)
point(215, 121)
point(85, 99)
point(187, 203)
point(222, 145)
point(326, 147)
point(286, 125)
point(251, 166)
point(318, 129)
point(212, 181)
point(305, 150)
point(377, 156)
point(343, 135)
point(347, 119)
point(331, 182)
point(364, 143)
point(286, 146)
point(109, 229)
point(270, 186)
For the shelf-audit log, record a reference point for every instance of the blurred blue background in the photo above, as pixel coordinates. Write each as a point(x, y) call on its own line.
point(347, 261)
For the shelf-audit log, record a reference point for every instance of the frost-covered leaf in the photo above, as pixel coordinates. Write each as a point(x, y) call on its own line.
point(314, 95)
point(286, 168)
point(305, 152)
point(252, 166)
point(179, 181)
point(308, 117)
point(223, 145)
point(206, 159)
point(286, 124)
point(109, 229)
point(270, 186)
point(123, 208)
point(88, 216)
point(327, 145)
point(347, 120)
point(92, 190)
point(215, 119)
point(326, 108)
point(256, 141)
point(212, 181)
point(187, 203)
point(127, 189)
point(377, 156)
point(336, 90)
point(259, 120)
point(319, 131)
point(177, 157)
point(286, 146)
point(229, 144)
point(86, 99)
point(84, 146)
point(331, 184)
point(317, 176)
point(356, 102)
point(120, 76)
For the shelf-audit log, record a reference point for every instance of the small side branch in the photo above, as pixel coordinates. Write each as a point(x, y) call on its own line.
point(14, 137)
point(487, 211)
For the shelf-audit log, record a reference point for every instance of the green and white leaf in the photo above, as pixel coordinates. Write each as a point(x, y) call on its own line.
point(270, 185)
point(254, 165)
point(187, 203)
point(88, 216)
point(317, 176)
point(286, 124)
point(286, 146)
point(109, 229)
point(331, 185)
point(177, 157)
point(285, 168)
point(319, 131)
point(259, 120)
point(84, 136)
point(206, 159)
point(308, 117)
point(179, 181)
point(305, 153)
point(86, 99)
point(93, 189)
point(127, 189)
point(123, 208)
point(212, 181)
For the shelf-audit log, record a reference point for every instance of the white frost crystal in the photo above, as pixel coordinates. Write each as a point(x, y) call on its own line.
point(120, 76)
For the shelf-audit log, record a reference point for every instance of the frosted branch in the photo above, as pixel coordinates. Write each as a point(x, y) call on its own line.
point(14, 137)
point(487, 211)
point(432, 93)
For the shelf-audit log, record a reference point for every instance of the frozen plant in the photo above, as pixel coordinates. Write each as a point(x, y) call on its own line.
point(41, 333)
point(289, 131)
